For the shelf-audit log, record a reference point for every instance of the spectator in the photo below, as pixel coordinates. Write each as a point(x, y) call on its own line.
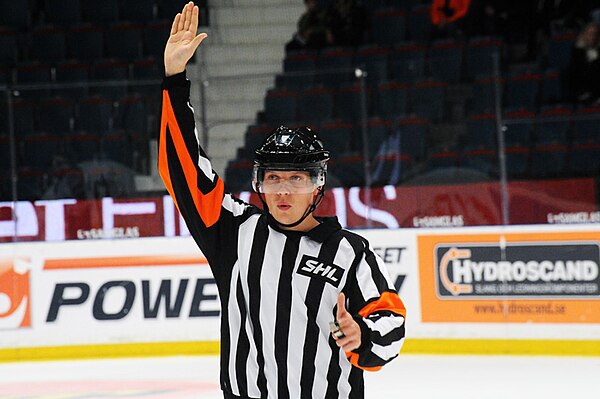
point(347, 23)
point(312, 30)
point(584, 68)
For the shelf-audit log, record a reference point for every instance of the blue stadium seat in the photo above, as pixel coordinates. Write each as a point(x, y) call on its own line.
point(280, 106)
point(334, 67)
point(116, 146)
point(55, 115)
point(48, 44)
point(349, 101)
point(374, 60)
point(419, 23)
point(378, 132)
point(480, 54)
point(518, 128)
point(517, 162)
point(390, 169)
point(337, 136)
point(483, 99)
point(155, 36)
point(238, 176)
point(146, 69)
point(446, 60)
point(522, 91)
point(559, 50)
point(115, 73)
point(549, 161)
point(584, 159)
point(407, 62)
point(586, 126)
point(9, 53)
point(40, 148)
point(445, 158)
point(480, 159)
point(389, 26)
point(132, 114)
point(413, 135)
point(15, 14)
point(553, 125)
point(34, 73)
point(138, 10)
point(481, 131)
point(82, 146)
point(315, 105)
point(349, 169)
point(551, 91)
point(86, 42)
point(23, 111)
point(105, 11)
point(299, 69)
point(124, 41)
point(63, 12)
point(72, 73)
point(95, 115)
point(428, 99)
point(390, 99)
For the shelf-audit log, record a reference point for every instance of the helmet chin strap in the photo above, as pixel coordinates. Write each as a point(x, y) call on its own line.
point(310, 209)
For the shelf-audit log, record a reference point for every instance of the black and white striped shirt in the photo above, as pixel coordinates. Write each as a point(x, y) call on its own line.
point(278, 289)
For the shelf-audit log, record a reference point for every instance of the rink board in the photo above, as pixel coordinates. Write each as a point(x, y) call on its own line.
point(513, 290)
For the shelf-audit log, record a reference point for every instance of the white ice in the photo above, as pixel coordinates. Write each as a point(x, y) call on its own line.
point(409, 376)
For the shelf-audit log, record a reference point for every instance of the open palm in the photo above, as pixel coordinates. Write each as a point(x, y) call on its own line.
point(183, 40)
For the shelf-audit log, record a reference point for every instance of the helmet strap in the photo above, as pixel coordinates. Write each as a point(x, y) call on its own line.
point(311, 208)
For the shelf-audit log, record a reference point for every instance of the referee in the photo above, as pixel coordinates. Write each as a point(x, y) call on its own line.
point(306, 306)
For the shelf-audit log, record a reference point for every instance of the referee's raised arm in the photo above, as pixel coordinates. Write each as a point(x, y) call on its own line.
point(183, 40)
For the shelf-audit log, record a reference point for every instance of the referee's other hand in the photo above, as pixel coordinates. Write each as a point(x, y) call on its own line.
point(183, 40)
point(349, 327)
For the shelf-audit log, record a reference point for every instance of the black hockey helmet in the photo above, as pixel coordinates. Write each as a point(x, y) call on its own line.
point(292, 150)
point(288, 149)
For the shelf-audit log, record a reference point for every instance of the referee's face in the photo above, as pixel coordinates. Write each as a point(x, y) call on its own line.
point(288, 195)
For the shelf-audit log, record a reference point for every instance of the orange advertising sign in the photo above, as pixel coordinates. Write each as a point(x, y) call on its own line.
point(14, 294)
point(515, 278)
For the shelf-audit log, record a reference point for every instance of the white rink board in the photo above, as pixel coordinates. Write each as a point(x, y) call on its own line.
point(105, 291)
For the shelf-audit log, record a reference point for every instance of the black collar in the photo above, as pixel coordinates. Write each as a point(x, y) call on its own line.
point(326, 227)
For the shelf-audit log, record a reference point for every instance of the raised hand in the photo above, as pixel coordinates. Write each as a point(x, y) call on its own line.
point(183, 40)
point(351, 338)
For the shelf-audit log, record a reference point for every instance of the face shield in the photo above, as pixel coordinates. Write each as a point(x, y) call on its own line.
point(288, 180)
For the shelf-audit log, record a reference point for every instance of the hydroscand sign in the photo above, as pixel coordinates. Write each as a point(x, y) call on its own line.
point(566, 270)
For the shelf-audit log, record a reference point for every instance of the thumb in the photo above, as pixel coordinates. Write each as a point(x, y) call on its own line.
point(198, 39)
point(341, 305)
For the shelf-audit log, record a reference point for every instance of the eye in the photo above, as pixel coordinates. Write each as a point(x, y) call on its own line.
point(272, 177)
point(297, 178)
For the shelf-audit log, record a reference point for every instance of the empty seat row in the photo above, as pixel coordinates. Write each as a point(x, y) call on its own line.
point(88, 42)
point(94, 114)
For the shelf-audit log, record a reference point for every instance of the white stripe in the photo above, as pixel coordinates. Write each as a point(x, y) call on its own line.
point(383, 269)
point(234, 207)
point(343, 384)
point(244, 249)
point(298, 319)
point(389, 351)
point(364, 278)
point(234, 319)
point(385, 325)
point(206, 168)
point(269, 282)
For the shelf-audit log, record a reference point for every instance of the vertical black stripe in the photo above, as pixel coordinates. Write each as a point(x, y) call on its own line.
point(243, 344)
point(357, 384)
point(257, 257)
point(378, 277)
point(313, 300)
point(284, 309)
point(225, 344)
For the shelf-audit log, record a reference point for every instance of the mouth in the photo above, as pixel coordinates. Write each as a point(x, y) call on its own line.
point(283, 207)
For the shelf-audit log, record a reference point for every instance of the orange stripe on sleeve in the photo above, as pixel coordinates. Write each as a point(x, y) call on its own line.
point(163, 165)
point(353, 358)
point(207, 205)
point(387, 301)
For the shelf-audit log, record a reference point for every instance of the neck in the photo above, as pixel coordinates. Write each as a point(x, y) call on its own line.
point(307, 224)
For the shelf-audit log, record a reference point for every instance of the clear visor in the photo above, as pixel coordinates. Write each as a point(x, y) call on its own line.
point(282, 181)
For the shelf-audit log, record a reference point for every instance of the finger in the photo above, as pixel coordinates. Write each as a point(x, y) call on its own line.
point(194, 21)
point(341, 305)
point(188, 16)
point(175, 27)
point(198, 39)
point(181, 21)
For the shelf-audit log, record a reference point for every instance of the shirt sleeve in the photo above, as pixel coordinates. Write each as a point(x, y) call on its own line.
point(379, 312)
point(212, 215)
